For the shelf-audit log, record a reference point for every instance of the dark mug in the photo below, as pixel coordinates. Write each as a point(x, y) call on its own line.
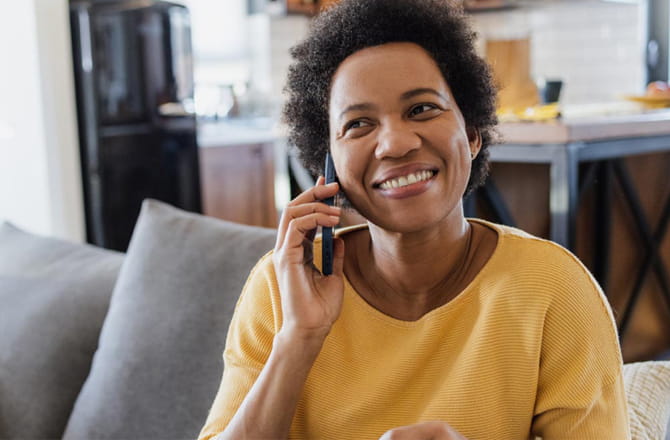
point(550, 90)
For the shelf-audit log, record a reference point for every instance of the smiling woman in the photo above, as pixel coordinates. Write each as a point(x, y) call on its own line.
point(379, 121)
point(431, 326)
point(448, 40)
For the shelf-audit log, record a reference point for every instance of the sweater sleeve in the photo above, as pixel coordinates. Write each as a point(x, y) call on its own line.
point(248, 344)
point(580, 392)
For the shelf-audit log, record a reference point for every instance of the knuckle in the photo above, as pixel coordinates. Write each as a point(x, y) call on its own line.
point(298, 226)
point(294, 202)
point(278, 258)
point(288, 212)
point(442, 429)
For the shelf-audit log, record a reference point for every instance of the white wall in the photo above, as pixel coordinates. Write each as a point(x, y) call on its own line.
point(595, 47)
point(220, 30)
point(40, 184)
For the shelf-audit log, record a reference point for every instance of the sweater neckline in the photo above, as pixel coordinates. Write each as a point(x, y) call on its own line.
point(464, 295)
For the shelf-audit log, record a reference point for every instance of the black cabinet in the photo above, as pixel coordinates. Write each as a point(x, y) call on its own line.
point(137, 132)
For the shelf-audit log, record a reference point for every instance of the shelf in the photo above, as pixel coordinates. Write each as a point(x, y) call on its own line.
point(471, 6)
point(297, 7)
point(475, 6)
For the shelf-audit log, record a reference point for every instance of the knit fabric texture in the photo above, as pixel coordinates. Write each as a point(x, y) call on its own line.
point(648, 394)
point(528, 348)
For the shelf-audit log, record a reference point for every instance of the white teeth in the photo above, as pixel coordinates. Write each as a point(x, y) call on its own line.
point(399, 182)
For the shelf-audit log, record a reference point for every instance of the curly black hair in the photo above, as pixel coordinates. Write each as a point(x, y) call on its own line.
point(351, 25)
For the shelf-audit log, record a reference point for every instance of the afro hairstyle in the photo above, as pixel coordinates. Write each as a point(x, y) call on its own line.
point(351, 25)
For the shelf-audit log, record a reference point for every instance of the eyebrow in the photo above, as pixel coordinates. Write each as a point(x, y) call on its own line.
point(353, 107)
point(420, 91)
point(405, 96)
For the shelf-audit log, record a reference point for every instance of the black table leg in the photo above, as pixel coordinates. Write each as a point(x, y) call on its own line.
point(650, 242)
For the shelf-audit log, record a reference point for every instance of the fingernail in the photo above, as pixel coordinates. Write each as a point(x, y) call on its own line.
point(334, 218)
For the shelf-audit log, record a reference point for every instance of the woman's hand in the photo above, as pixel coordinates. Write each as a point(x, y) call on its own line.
point(311, 302)
point(423, 431)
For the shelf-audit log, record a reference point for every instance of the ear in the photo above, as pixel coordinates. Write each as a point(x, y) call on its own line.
point(475, 141)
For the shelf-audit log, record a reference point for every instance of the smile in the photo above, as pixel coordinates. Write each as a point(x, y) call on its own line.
point(409, 179)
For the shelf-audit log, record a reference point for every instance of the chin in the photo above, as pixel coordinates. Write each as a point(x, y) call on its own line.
point(408, 223)
point(407, 216)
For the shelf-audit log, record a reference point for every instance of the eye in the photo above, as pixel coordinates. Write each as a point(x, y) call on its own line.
point(355, 124)
point(422, 108)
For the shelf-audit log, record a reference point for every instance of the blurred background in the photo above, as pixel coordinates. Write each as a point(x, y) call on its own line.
point(106, 103)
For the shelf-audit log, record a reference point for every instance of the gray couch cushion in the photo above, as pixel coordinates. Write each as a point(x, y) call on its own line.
point(160, 358)
point(53, 299)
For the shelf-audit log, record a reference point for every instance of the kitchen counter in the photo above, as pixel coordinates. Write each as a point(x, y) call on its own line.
point(564, 144)
point(240, 131)
point(590, 128)
point(243, 169)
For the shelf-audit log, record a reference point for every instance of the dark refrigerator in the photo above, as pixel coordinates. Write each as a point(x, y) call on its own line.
point(133, 74)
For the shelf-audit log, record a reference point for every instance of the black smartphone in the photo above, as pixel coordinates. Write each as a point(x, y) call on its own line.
point(327, 232)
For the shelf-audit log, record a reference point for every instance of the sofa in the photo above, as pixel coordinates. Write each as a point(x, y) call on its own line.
point(96, 344)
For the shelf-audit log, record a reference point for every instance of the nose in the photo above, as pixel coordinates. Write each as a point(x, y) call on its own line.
point(396, 139)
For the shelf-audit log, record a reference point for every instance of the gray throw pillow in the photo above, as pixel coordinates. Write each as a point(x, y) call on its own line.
point(159, 363)
point(53, 299)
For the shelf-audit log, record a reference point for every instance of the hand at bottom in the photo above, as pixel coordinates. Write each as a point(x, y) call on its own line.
point(423, 431)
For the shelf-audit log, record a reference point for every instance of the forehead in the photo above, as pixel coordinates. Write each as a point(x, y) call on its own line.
point(384, 71)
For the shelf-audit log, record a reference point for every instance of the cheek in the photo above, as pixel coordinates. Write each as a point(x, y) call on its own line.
point(347, 162)
point(349, 177)
point(351, 169)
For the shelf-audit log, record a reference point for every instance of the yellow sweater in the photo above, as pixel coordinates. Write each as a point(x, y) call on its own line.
point(528, 348)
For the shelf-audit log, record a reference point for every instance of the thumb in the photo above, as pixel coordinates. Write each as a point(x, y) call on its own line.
point(338, 256)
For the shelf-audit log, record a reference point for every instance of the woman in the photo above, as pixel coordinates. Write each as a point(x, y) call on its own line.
point(432, 326)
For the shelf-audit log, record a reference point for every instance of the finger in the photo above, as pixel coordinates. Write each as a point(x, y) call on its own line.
point(312, 195)
point(434, 430)
point(308, 247)
point(409, 432)
point(338, 256)
point(404, 434)
point(300, 228)
point(391, 435)
point(283, 223)
point(316, 193)
point(293, 212)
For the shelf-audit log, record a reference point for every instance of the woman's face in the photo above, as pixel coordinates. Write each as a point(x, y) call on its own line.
point(397, 137)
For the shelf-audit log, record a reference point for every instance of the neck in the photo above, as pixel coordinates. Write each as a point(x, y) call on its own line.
point(412, 273)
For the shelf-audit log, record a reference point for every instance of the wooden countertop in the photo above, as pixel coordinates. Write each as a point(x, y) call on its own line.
point(650, 123)
point(231, 132)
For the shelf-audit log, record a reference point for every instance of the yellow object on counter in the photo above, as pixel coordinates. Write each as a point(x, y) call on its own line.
point(537, 113)
point(652, 102)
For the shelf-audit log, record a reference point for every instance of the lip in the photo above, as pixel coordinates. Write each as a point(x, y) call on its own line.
point(402, 171)
point(411, 190)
